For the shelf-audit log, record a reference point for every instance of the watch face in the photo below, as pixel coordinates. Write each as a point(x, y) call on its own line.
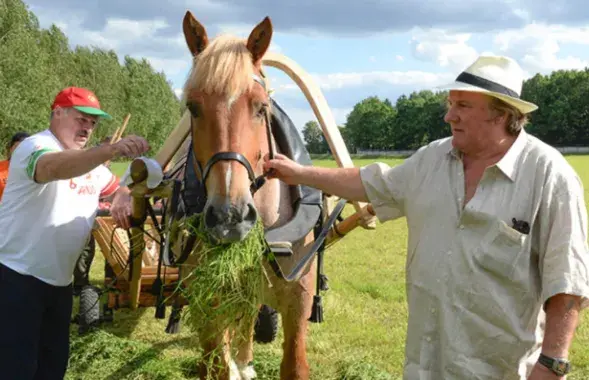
point(561, 367)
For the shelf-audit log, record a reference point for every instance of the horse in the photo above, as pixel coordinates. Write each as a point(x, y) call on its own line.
point(226, 94)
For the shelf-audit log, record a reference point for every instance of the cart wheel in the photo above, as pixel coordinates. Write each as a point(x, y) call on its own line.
point(89, 314)
point(266, 325)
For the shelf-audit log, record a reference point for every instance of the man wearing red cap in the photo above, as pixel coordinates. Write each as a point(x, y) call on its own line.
point(46, 216)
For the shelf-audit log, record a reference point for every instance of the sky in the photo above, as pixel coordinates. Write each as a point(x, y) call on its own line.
point(353, 50)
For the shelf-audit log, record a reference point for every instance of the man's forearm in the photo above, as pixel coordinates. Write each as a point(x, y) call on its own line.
point(562, 317)
point(341, 182)
point(71, 163)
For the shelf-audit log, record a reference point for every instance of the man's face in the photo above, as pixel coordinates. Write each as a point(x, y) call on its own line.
point(473, 124)
point(74, 128)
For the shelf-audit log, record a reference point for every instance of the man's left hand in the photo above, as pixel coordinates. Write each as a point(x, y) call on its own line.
point(539, 372)
point(120, 210)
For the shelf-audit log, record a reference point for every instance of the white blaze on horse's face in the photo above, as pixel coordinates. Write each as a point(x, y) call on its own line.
point(228, 180)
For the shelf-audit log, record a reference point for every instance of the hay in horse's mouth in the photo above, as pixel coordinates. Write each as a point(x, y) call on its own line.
point(224, 288)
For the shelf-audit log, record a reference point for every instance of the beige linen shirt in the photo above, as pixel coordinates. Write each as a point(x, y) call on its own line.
point(475, 285)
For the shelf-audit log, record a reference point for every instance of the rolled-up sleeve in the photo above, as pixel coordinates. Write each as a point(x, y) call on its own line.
point(387, 187)
point(564, 256)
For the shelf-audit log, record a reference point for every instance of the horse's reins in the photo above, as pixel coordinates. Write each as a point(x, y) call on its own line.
point(256, 182)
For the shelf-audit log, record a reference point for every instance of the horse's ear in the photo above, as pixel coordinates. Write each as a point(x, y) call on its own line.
point(259, 39)
point(195, 34)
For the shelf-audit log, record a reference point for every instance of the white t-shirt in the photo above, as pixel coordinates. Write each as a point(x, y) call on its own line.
point(44, 227)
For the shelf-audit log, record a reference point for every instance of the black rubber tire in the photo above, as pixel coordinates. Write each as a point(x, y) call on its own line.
point(266, 326)
point(89, 313)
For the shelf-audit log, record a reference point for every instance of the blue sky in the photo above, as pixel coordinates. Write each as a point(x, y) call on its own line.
point(353, 50)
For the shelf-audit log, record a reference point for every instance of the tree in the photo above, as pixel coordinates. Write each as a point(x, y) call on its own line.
point(35, 64)
point(419, 119)
point(314, 138)
point(369, 124)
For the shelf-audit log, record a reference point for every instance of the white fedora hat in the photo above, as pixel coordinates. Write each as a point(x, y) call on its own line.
point(497, 76)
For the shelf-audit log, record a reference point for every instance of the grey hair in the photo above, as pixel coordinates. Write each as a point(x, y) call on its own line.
point(516, 120)
point(65, 110)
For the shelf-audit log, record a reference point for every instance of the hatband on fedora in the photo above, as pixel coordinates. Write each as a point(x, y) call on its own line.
point(497, 76)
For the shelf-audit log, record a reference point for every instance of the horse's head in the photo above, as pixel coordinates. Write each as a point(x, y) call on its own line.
point(226, 95)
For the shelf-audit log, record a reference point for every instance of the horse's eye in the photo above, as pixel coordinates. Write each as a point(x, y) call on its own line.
point(261, 110)
point(193, 108)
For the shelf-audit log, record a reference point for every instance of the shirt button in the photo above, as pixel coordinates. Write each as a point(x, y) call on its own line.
point(428, 339)
point(461, 227)
point(433, 310)
point(449, 253)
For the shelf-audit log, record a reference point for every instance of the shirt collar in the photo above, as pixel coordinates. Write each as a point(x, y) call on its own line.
point(508, 163)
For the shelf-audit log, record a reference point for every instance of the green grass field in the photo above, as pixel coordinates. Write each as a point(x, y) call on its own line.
point(361, 338)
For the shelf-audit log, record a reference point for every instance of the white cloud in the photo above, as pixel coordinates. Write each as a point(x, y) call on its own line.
point(300, 116)
point(243, 31)
point(414, 78)
point(338, 81)
point(118, 31)
point(449, 50)
point(171, 67)
point(537, 46)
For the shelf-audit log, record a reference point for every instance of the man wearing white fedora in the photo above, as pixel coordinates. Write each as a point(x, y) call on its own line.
point(497, 260)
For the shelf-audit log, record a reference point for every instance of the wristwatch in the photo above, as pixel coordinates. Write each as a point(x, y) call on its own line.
point(559, 366)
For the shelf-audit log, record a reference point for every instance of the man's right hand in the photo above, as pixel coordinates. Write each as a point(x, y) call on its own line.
point(284, 169)
point(130, 147)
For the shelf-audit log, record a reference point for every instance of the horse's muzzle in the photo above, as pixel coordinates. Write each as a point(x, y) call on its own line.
point(228, 222)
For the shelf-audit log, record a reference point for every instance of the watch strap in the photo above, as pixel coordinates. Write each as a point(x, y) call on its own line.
point(559, 366)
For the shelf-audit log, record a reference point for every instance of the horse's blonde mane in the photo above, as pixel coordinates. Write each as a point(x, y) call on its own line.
point(224, 67)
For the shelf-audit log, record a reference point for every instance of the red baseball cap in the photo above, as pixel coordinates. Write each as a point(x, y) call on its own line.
point(81, 99)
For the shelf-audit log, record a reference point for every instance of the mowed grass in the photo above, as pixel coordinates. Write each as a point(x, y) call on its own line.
point(361, 338)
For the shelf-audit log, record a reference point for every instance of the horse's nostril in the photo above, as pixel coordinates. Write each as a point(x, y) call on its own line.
point(211, 219)
point(250, 214)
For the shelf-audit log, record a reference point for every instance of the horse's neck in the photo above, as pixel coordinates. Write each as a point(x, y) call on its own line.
point(273, 202)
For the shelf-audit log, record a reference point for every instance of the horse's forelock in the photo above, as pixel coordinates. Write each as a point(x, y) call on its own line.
point(225, 68)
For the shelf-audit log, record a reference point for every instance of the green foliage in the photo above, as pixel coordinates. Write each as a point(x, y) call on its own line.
point(313, 135)
point(370, 124)
point(417, 119)
point(35, 64)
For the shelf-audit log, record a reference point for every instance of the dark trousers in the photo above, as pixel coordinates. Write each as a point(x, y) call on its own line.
point(34, 327)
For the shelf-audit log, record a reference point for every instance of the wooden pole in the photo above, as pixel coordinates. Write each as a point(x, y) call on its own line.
point(138, 216)
point(119, 132)
point(174, 140)
point(341, 229)
point(320, 108)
